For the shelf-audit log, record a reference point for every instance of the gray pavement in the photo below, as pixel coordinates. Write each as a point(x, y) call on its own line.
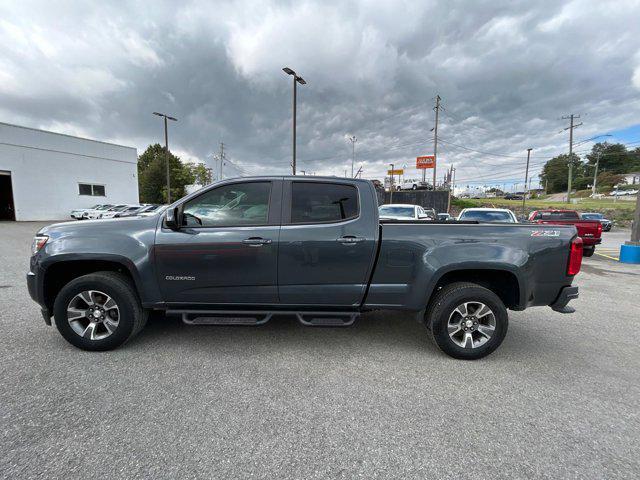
point(559, 399)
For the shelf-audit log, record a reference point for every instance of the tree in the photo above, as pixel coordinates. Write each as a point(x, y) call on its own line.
point(555, 172)
point(152, 175)
point(614, 157)
point(202, 175)
point(609, 179)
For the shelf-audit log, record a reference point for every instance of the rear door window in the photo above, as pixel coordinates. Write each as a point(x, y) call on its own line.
point(316, 202)
point(557, 216)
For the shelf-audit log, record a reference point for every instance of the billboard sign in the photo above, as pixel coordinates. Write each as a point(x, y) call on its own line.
point(427, 161)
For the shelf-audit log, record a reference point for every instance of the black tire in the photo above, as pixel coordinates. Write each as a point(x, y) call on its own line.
point(444, 304)
point(588, 251)
point(132, 317)
point(414, 187)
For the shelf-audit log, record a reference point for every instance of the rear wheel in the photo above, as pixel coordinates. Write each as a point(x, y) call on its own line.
point(415, 187)
point(467, 321)
point(588, 251)
point(99, 311)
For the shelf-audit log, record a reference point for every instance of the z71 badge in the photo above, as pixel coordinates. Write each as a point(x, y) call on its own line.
point(545, 233)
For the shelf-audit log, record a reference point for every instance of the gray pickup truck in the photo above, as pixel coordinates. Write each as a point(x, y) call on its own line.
point(242, 250)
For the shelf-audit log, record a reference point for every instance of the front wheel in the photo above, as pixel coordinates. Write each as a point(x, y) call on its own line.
point(588, 251)
point(99, 311)
point(415, 187)
point(467, 321)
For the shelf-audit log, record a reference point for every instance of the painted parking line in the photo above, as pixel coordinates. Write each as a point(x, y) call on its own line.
point(607, 256)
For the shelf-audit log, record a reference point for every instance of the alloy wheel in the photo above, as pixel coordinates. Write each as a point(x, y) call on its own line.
point(471, 324)
point(93, 315)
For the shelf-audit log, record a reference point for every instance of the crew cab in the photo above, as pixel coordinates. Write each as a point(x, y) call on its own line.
point(242, 250)
point(590, 231)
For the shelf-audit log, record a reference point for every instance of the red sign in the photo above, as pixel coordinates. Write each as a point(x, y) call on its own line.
point(428, 161)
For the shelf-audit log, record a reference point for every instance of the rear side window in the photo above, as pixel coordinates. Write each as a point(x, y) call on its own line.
point(313, 202)
point(557, 216)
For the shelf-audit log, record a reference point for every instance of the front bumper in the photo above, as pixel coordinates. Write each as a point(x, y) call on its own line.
point(35, 292)
point(561, 303)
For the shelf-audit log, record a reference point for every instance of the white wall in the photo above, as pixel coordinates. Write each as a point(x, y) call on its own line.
point(47, 167)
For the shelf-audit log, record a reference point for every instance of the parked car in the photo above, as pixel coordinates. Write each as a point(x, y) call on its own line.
point(512, 196)
point(153, 210)
point(83, 213)
point(606, 223)
point(590, 231)
point(444, 217)
point(413, 185)
point(129, 211)
point(311, 247)
point(490, 215)
point(401, 211)
point(111, 212)
point(97, 212)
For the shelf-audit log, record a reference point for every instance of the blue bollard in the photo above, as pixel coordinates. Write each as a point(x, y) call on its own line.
point(629, 253)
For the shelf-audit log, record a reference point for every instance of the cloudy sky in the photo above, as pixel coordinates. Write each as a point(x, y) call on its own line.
point(507, 71)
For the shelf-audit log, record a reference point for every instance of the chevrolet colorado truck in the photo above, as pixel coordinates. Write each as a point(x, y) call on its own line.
point(590, 231)
point(241, 250)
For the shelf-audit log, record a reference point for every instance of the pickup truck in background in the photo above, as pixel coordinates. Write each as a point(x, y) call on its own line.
point(241, 250)
point(590, 231)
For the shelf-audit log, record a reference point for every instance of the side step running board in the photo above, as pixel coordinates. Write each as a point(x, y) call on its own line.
point(327, 319)
point(225, 318)
point(248, 317)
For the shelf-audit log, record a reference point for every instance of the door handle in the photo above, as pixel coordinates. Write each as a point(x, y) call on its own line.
point(256, 241)
point(350, 240)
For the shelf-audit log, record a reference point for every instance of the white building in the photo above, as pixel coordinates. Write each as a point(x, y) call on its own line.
point(632, 178)
point(45, 175)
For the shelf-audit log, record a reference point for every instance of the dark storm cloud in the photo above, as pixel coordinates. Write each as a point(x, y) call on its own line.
point(507, 72)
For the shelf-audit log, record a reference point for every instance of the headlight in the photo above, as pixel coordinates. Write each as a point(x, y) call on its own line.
point(38, 242)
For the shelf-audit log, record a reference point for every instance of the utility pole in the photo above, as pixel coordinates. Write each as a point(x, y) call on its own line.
point(353, 140)
point(526, 175)
point(435, 144)
point(595, 174)
point(635, 227)
point(391, 186)
point(296, 79)
point(570, 128)
point(166, 150)
point(221, 158)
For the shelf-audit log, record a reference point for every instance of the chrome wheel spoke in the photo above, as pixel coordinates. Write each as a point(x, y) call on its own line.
point(110, 325)
point(453, 329)
point(462, 309)
point(467, 342)
point(483, 311)
point(486, 330)
point(87, 297)
point(90, 331)
point(109, 304)
point(75, 313)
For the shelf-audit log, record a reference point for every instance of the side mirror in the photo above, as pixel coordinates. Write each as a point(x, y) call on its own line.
point(172, 218)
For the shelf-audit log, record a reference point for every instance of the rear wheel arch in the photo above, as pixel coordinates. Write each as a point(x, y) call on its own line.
point(504, 283)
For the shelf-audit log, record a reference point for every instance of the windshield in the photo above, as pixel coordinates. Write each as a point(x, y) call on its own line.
point(487, 216)
point(397, 212)
point(592, 216)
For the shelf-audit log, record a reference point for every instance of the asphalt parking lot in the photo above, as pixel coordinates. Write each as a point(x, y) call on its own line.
point(559, 399)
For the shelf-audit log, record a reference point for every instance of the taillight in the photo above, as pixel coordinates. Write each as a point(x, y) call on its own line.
point(575, 256)
point(599, 229)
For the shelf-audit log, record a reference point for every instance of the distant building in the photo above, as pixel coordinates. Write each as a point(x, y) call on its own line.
point(632, 178)
point(44, 175)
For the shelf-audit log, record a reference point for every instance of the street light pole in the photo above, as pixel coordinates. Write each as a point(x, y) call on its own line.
point(353, 151)
point(296, 79)
point(166, 150)
point(391, 186)
point(524, 196)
